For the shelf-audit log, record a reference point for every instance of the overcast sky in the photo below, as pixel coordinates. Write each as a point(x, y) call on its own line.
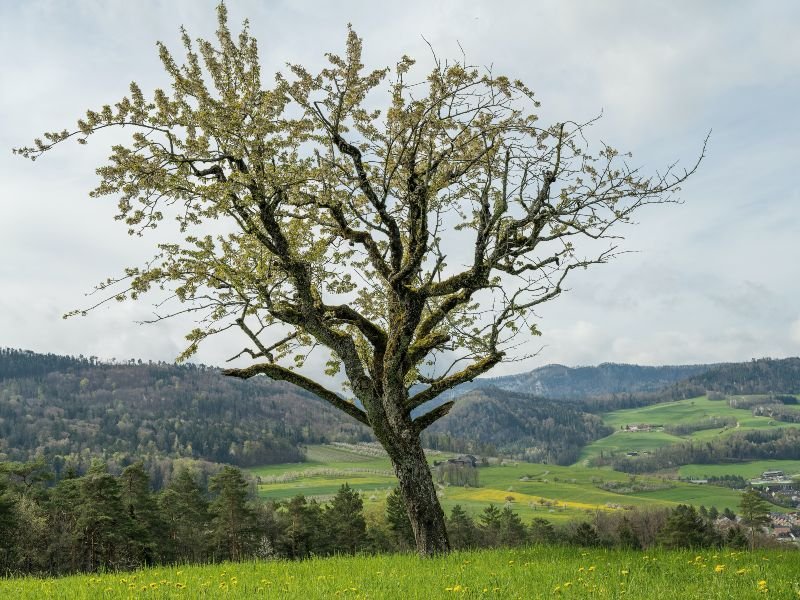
point(716, 278)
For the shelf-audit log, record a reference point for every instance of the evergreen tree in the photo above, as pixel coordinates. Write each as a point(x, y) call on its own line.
point(103, 523)
point(754, 512)
point(713, 513)
point(65, 549)
point(542, 531)
point(184, 510)
point(685, 528)
point(585, 535)
point(399, 524)
point(232, 519)
point(512, 529)
point(8, 525)
point(345, 522)
point(491, 526)
point(729, 514)
point(627, 536)
point(461, 529)
point(306, 529)
point(142, 509)
point(737, 538)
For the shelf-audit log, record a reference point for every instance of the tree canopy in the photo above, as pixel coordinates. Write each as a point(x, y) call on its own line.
point(408, 226)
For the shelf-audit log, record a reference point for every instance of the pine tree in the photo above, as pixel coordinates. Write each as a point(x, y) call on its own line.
point(542, 531)
point(344, 519)
point(103, 523)
point(512, 529)
point(585, 535)
point(142, 509)
point(491, 526)
point(232, 519)
point(399, 524)
point(754, 512)
point(461, 529)
point(685, 528)
point(184, 510)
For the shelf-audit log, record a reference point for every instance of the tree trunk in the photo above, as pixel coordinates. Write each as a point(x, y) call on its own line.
point(419, 495)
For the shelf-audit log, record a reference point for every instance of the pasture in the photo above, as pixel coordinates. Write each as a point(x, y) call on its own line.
point(526, 573)
point(553, 492)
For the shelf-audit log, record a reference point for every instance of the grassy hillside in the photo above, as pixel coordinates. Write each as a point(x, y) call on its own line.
point(671, 413)
point(538, 572)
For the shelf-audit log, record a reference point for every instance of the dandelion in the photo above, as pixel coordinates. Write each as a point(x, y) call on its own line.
point(581, 570)
point(719, 569)
point(762, 586)
point(591, 568)
point(741, 571)
point(180, 586)
point(623, 572)
point(456, 588)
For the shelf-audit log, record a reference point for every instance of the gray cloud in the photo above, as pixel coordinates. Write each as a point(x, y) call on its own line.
point(715, 278)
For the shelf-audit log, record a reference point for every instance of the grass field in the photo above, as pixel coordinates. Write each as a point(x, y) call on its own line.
point(749, 470)
point(671, 413)
point(534, 490)
point(532, 573)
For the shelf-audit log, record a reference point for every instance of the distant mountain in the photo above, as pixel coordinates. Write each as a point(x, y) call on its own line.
point(560, 382)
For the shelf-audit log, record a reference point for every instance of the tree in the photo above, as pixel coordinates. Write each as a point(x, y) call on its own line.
point(232, 519)
point(344, 519)
point(461, 529)
point(142, 509)
point(754, 512)
point(184, 510)
point(410, 243)
point(685, 528)
point(397, 518)
point(103, 523)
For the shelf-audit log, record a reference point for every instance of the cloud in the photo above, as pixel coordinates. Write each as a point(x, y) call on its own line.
point(794, 332)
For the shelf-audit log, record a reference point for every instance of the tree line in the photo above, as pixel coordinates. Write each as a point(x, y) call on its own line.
point(100, 521)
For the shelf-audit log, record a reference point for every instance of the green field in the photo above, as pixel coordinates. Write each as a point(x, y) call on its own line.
point(534, 490)
point(557, 493)
point(530, 573)
point(671, 413)
point(749, 470)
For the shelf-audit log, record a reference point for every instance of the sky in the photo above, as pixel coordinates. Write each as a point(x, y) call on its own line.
point(715, 278)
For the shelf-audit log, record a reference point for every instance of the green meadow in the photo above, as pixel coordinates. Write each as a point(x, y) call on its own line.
point(534, 490)
point(529, 573)
point(680, 412)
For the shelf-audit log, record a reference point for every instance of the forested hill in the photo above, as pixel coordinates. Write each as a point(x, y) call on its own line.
point(560, 382)
point(75, 407)
point(635, 384)
point(762, 376)
point(491, 420)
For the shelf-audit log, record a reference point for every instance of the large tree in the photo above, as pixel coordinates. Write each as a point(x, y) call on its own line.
point(406, 228)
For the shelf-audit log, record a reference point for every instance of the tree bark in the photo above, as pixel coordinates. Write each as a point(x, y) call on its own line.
point(419, 494)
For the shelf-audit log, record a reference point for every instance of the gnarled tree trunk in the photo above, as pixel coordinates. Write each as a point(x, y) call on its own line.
point(418, 492)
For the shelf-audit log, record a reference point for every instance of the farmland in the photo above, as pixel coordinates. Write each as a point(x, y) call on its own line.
point(681, 412)
point(534, 490)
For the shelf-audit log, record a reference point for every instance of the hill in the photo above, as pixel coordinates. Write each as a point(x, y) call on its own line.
point(68, 409)
point(490, 420)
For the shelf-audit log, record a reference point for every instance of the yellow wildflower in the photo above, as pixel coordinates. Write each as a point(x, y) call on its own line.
point(719, 568)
